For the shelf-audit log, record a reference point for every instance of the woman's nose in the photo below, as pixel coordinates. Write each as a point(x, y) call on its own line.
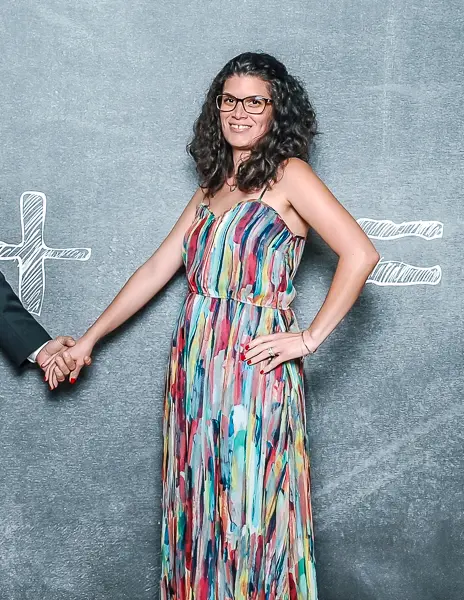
point(239, 111)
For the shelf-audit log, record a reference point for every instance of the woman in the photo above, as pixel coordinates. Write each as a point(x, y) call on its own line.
point(237, 517)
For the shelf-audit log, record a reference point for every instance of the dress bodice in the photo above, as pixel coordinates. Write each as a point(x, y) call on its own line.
point(248, 253)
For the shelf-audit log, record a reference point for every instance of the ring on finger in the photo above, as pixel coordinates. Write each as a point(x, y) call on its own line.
point(271, 352)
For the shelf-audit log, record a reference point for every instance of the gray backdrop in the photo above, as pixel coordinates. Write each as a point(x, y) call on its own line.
point(97, 103)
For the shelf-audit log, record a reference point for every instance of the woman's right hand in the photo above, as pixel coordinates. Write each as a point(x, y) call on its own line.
point(81, 353)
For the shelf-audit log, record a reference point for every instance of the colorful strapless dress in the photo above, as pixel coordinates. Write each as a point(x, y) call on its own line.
point(236, 504)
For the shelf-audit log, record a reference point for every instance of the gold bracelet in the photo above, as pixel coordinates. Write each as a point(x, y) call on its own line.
point(309, 351)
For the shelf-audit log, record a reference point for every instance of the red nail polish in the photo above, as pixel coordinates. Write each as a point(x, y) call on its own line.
point(247, 346)
point(248, 362)
point(72, 381)
point(261, 371)
point(242, 356)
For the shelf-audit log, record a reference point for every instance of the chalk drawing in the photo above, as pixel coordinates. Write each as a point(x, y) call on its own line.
point(384, 229)
point(32, 251)
point(393, 272)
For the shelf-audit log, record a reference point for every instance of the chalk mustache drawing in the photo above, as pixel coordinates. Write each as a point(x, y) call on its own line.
point(32, 251)
point(393, 272)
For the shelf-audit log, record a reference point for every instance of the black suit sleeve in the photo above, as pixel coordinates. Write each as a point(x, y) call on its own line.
point(20, 333)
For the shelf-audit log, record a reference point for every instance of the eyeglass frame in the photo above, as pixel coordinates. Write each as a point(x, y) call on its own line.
point(237, 100)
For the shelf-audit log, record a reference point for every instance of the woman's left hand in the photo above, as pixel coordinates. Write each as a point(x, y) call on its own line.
point(285, 345)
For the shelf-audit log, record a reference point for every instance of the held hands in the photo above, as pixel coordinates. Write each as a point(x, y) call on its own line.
point(56, 349)
point(70, 362)
point(285, 345)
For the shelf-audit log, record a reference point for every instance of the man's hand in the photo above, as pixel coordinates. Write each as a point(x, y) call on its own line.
point(56, 349)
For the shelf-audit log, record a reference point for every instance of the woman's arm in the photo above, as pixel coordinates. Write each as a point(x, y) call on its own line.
point(141, 287)
point(316, 204)
point(148, 279)
point(306, 194)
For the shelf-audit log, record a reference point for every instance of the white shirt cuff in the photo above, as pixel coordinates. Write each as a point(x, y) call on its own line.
point(33, 355)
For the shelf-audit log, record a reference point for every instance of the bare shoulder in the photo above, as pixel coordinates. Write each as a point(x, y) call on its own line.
point(300, 184)
point(295, 169)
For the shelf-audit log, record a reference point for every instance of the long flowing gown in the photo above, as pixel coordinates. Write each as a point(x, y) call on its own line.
point(237, 521)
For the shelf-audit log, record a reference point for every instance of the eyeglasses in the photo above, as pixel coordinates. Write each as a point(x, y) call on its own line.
point(254, 105)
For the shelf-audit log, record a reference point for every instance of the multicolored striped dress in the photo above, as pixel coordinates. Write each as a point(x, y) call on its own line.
point(237, 522)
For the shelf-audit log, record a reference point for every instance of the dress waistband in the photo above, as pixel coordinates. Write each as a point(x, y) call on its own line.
point(232, 298)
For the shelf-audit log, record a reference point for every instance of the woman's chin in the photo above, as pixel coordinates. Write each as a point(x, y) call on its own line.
point(238, 143)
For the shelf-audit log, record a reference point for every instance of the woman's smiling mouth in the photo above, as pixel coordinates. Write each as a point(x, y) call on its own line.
point(237, 128)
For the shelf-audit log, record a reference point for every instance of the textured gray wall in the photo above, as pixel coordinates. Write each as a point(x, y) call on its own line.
point(98, 100)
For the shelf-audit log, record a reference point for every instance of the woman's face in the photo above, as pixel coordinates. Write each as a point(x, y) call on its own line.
point(241, 129)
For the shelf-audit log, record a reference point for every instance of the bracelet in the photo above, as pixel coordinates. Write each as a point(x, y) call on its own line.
point(309, 351)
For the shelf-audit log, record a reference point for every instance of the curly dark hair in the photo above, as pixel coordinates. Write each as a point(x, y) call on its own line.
point(290, 134)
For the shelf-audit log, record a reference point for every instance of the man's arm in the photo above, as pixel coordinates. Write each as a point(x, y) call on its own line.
point(20, 333)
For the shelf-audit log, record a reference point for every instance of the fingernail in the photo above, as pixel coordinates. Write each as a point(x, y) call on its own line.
point(261, 371)
point(72, 381)
point(248, 362)
point(242, 355)
point(247, 346)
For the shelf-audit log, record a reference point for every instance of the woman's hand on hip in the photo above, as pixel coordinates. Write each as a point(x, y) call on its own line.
point(284, 345)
